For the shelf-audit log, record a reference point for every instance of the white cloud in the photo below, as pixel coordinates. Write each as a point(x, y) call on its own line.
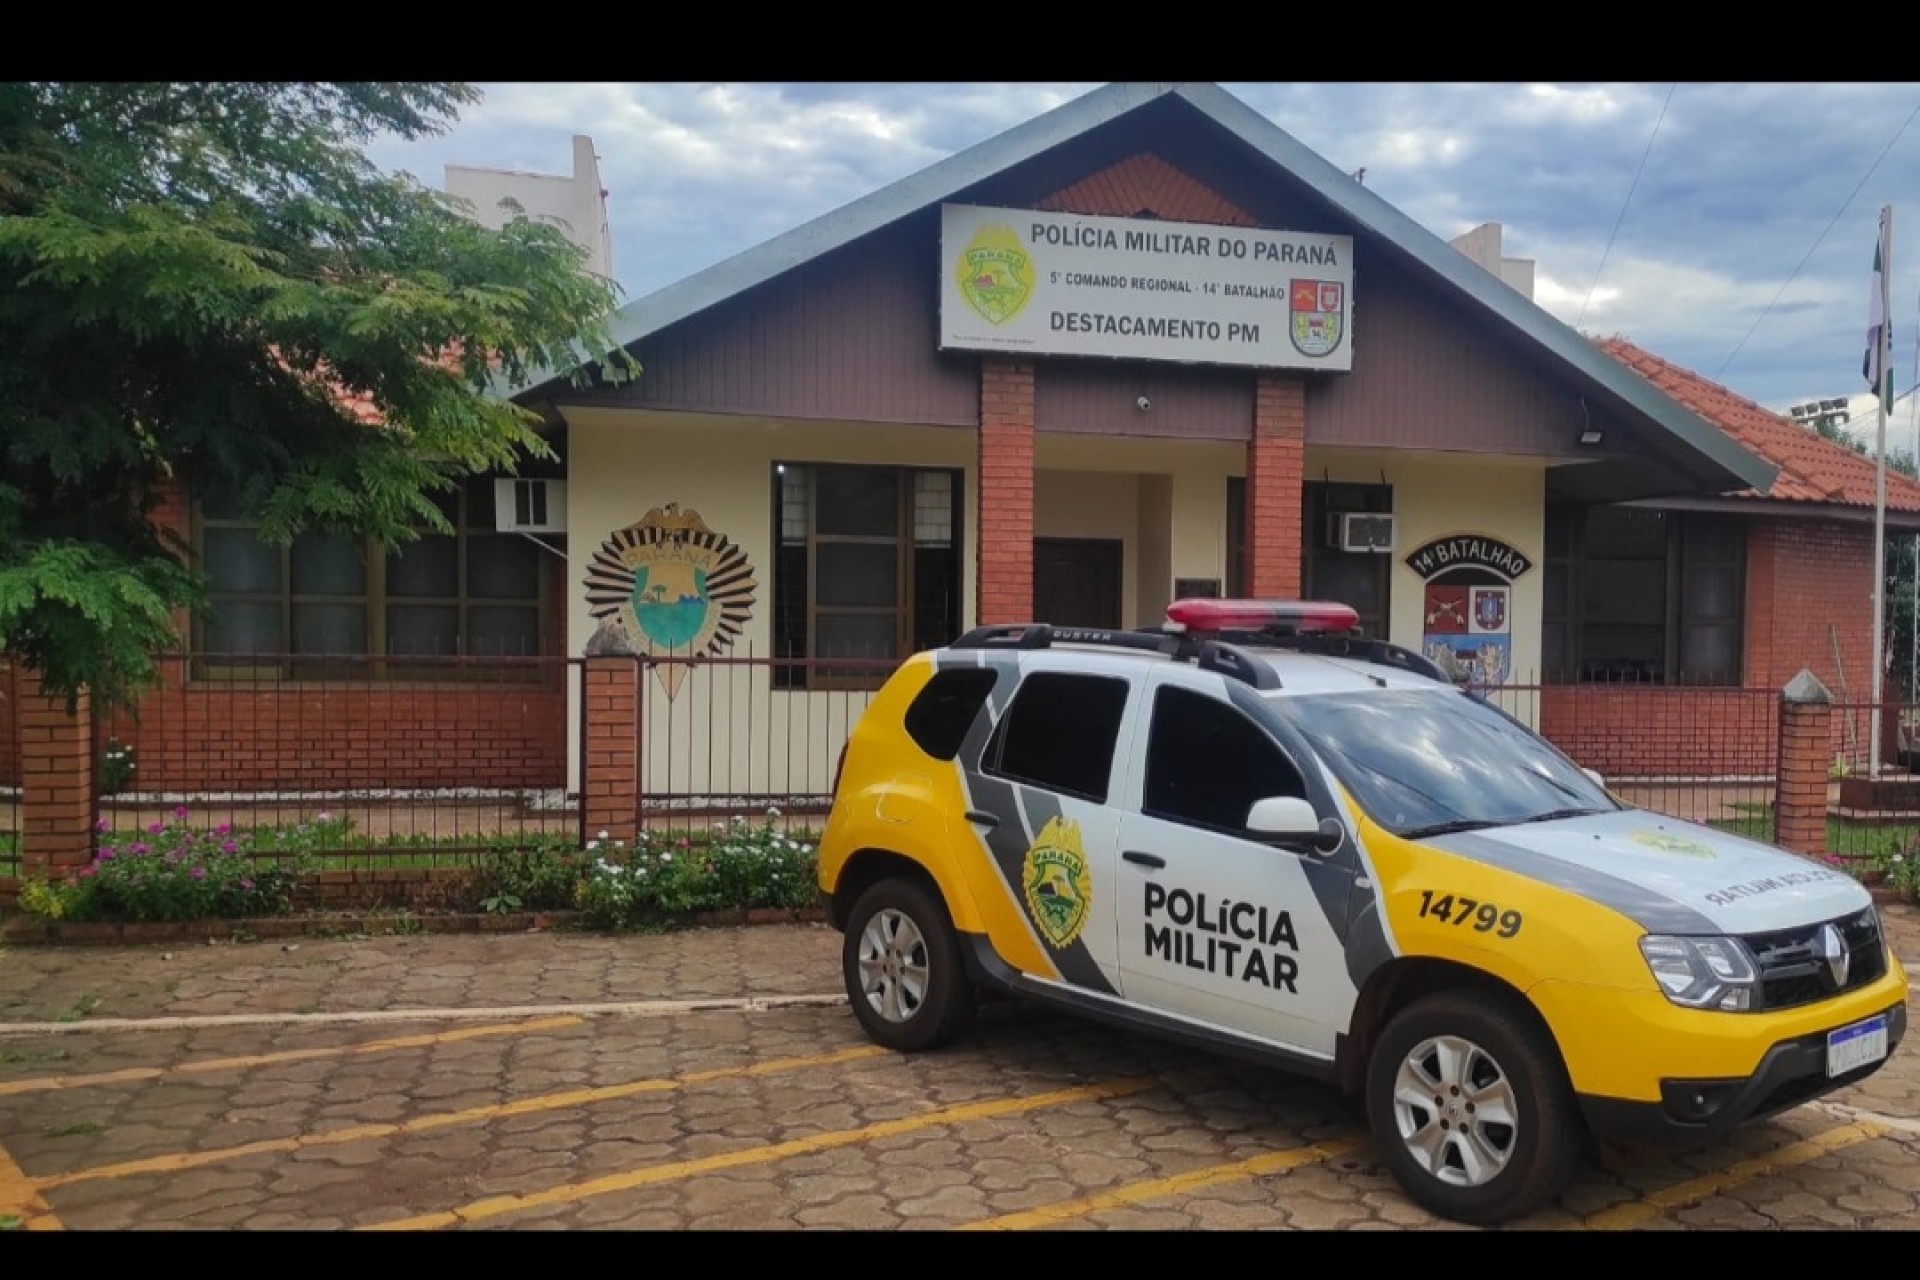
point(1552, 103)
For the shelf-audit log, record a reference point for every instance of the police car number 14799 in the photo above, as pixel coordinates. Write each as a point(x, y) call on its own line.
point(1486, 916)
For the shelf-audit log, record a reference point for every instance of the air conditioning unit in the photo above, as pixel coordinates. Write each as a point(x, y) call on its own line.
point(1360, 531)
point(530, 506)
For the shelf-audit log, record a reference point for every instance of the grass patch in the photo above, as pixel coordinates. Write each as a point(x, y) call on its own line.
point(1845, 836)
point(83, 1129)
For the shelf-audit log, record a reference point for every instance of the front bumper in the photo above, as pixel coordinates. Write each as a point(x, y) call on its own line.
point(1699, 1112)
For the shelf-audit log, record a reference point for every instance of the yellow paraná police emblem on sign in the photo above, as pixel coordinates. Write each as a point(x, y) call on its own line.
point(995, 275)
point(1058, 889)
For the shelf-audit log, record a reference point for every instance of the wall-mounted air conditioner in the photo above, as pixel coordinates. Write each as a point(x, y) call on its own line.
point(1360, 531)
point(530, 506)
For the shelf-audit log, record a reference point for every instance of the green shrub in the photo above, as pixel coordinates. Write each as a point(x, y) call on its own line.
point(737, 866)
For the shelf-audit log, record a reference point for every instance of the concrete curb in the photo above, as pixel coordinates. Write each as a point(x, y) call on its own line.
point(20, 930)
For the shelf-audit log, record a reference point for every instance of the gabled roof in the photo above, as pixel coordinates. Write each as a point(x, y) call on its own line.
point(1812, 469)
point(1350, 199)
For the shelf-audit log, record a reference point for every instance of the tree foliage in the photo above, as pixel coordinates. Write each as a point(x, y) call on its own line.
point(213, 284)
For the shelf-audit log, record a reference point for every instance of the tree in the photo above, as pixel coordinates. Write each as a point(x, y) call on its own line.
point(212, 284)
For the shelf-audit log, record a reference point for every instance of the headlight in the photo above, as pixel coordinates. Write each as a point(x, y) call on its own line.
point(1703, 973)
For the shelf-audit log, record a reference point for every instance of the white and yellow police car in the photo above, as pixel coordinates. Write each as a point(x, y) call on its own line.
point(1258, 831)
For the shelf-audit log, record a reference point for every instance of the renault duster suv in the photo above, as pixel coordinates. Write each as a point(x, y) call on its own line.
point(1257, 831)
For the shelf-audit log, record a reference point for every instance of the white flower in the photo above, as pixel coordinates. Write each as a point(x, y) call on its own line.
point(603, 835)
point(666, 857)
point(773, 812)
point(593, 844)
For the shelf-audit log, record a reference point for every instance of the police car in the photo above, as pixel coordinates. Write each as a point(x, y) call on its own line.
point(1258, 831)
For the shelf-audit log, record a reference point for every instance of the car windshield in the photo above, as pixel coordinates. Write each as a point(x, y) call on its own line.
point(1422, 763)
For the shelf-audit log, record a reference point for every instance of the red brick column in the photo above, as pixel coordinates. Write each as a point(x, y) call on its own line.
point(1276, 464)
point(610, 738)
point(1004, 588)
point(1800, 781)
point(56, 780)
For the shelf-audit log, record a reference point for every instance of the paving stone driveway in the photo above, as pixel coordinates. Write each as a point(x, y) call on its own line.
point(713, 1080)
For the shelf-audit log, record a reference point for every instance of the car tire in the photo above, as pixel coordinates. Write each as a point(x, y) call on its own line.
point(905, 975)
point(1470, 1106)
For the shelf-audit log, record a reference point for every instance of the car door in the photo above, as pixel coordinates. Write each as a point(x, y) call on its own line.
point(1039, 792)
point(1216, 926)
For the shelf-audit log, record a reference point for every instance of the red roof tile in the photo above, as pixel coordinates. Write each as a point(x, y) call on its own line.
point(1812, 469)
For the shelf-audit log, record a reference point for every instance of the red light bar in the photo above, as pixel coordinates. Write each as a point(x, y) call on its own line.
point(1203, 615)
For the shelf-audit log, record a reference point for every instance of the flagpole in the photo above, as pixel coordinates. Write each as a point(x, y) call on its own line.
point(1882, 367)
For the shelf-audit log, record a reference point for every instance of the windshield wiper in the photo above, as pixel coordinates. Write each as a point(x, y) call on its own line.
point(1449, 828)
point(1554, 815)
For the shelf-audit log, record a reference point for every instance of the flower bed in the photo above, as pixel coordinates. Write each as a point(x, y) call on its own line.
point(173, 873)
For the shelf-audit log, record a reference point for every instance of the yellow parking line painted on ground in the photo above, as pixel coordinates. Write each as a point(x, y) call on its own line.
point(177, 1161)
point(20, 1199)
point(1685, 1194)
point(480, 1210)
point(132, 1074)
point(1178, 1184)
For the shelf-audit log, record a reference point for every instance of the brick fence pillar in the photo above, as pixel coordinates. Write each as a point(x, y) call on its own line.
point(56, 780)
point(1004, 588)
point(1800, 780)
point(1276, 467)
point(610, 737)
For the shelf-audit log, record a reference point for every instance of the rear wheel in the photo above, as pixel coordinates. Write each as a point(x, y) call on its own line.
point(905, 975)
point(1471, 1108)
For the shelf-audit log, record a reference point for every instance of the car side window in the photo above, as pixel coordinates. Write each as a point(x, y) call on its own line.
point(1059, 734)
point(1207, 763)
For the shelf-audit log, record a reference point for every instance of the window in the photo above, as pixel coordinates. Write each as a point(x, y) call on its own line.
point(1207, 763)
point(1362, 579)
point(472, 593)
point(868, 567)
point(1059, 734)
point(942, 712)
point(1637, 594)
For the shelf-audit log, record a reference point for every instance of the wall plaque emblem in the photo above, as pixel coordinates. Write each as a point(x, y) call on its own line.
point(680, 591)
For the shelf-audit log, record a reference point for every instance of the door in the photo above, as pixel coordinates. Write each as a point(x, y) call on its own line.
point(1076, 582)
point(1216, 926)
point(1039, 796)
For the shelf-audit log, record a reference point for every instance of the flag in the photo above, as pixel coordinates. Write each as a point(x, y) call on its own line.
point(1874, 368)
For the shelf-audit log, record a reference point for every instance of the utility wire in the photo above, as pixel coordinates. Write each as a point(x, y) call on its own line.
point(1631, 188)
point(1844, 204)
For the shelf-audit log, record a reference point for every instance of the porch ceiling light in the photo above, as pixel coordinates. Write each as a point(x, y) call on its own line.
point(1591, 436)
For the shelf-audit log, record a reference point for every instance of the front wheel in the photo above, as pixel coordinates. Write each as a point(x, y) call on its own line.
point(1471, 1108)
point(904, 972)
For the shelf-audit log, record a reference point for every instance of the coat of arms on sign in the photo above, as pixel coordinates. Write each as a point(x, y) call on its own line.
point(679, 590)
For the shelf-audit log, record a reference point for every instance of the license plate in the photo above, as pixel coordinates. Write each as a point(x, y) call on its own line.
point(1850, 1048)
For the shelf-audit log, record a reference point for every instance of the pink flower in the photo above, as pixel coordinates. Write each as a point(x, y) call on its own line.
point(102, 826)
point(223, 829)
point(681, 843)
point(180, 811)
point(139, 847)
point(199, 873)
point(325, 815)
point(228, 846)
point(86, 872)
point(247, 885)
point(155, 828)
point(105, 855)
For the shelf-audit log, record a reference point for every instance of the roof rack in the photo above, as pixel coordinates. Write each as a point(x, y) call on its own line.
point(1207, 653)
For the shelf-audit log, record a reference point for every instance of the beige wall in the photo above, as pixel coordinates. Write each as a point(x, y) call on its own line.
point(1435, 495)
point(726, 729)
point(1180, 506)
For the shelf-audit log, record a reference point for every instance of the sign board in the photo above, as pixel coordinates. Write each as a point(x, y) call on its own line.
point(1033, 283)
point(1467, 610)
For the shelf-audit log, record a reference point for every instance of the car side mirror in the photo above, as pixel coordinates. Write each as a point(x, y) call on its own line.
point(1291, 823)
point(1593, 775)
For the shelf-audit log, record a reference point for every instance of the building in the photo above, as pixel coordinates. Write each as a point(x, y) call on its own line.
point(1144, 346)
point(576, 202)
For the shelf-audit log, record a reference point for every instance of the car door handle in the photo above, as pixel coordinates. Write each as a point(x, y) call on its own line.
point(981, 817)
point(1144, 859)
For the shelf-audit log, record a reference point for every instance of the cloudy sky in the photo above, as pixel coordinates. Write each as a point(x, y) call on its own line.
point(1727, 227)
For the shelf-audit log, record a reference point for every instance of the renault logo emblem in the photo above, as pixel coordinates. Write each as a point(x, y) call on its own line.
point(1833, 949)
